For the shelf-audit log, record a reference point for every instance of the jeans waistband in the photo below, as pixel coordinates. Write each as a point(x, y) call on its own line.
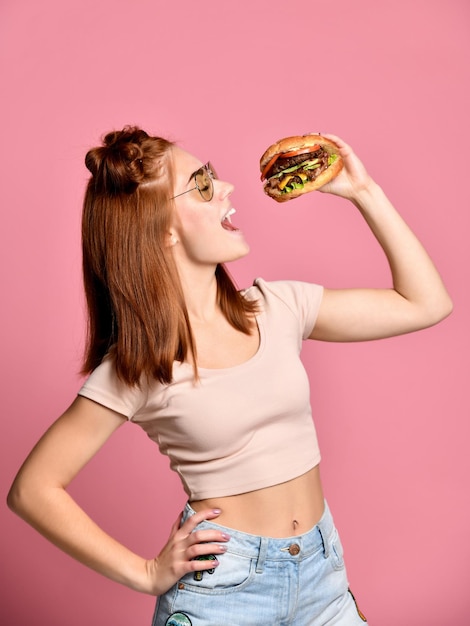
point(296, 547)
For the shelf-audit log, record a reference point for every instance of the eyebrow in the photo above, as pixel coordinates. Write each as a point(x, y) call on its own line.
point(194, 174)
point(191, 177)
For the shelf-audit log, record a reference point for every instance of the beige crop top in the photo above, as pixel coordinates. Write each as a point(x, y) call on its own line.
point(240, 428)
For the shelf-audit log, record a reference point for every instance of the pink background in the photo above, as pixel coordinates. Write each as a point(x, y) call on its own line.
point(225, 80)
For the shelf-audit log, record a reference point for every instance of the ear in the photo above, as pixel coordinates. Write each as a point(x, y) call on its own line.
point(171, 240)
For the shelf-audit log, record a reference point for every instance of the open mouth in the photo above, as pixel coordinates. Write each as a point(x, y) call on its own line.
point(227, 221)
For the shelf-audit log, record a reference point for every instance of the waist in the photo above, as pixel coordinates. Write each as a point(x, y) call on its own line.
point(275, 548)
point(287, 509)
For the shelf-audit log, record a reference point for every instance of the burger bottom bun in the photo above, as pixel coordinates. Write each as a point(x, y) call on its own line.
point(331, 172)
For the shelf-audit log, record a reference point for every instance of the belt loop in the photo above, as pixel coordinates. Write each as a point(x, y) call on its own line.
point(324, 538)
point(263, 548)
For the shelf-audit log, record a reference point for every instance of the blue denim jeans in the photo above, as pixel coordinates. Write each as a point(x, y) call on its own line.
point(261, 581)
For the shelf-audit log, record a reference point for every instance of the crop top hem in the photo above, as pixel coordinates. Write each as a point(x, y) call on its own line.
point(282, 477)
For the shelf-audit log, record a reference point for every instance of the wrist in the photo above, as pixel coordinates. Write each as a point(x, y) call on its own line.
point(154, 579)
point(367, 195)
point(139, 576)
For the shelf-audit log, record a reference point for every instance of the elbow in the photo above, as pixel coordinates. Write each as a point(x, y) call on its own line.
point(446, 308)
point(438, 311)
point(16, 499)
point(21, 498)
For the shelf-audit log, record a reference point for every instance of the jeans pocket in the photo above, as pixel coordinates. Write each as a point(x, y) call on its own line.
point(233, 572)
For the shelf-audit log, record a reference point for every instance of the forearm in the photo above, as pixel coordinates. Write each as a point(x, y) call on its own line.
point(58, 517)
point(414, 275)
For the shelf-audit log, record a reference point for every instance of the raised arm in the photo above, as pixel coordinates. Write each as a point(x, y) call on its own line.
point(39, 496)
point(418, 298)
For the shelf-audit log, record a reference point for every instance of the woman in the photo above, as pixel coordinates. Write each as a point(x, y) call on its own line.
point(214, 377)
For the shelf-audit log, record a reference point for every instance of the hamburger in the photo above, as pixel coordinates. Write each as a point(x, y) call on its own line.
point(297, 165)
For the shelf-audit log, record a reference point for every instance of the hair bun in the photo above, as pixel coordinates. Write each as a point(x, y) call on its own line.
point(119, 165)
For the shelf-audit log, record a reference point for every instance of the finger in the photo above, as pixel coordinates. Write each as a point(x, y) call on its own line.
point(204, 564)
point(199, 550)
point(198, 517)
point(177, 523)
point(205, 536)
point(337, 140)
point(334, 138)
point(203, 556)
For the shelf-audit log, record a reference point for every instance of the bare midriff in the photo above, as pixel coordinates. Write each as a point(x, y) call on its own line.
point(284, 510)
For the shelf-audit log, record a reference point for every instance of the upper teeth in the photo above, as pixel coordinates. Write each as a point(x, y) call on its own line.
point(228, 214)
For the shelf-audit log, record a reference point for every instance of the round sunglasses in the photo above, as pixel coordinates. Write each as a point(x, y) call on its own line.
point(203, 178)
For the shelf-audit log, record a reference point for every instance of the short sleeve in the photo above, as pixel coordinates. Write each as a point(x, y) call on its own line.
point(302, 298)
point(104, 386)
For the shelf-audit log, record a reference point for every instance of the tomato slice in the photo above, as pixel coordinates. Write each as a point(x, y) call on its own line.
point(271, 162)
point(269, 165)
point(300, 151)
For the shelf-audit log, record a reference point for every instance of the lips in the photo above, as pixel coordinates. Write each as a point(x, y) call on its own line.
point(227, 221)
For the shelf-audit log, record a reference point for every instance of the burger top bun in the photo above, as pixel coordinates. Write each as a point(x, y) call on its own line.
point(290, 144)
point(295, 143)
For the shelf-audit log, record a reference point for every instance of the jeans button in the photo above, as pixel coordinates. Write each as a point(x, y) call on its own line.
point(294, 549)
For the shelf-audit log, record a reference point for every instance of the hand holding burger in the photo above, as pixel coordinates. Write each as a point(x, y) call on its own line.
point(297, 165)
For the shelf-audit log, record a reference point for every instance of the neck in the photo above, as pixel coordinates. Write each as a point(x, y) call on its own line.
point(200, 294)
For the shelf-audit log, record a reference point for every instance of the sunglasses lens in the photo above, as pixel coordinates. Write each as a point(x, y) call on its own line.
point(210, 168)
point(204, 184)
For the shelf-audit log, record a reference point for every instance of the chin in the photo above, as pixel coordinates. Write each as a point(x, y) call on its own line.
point(240, 254)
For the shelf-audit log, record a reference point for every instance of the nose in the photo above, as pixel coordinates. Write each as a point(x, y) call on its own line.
point(223, 189)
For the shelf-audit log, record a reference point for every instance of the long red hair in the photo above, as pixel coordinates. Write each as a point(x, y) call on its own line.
point(136, 308)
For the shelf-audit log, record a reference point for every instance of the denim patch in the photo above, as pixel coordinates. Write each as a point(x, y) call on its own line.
point(205, 557)
point(359, 612)
point(178, 619)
